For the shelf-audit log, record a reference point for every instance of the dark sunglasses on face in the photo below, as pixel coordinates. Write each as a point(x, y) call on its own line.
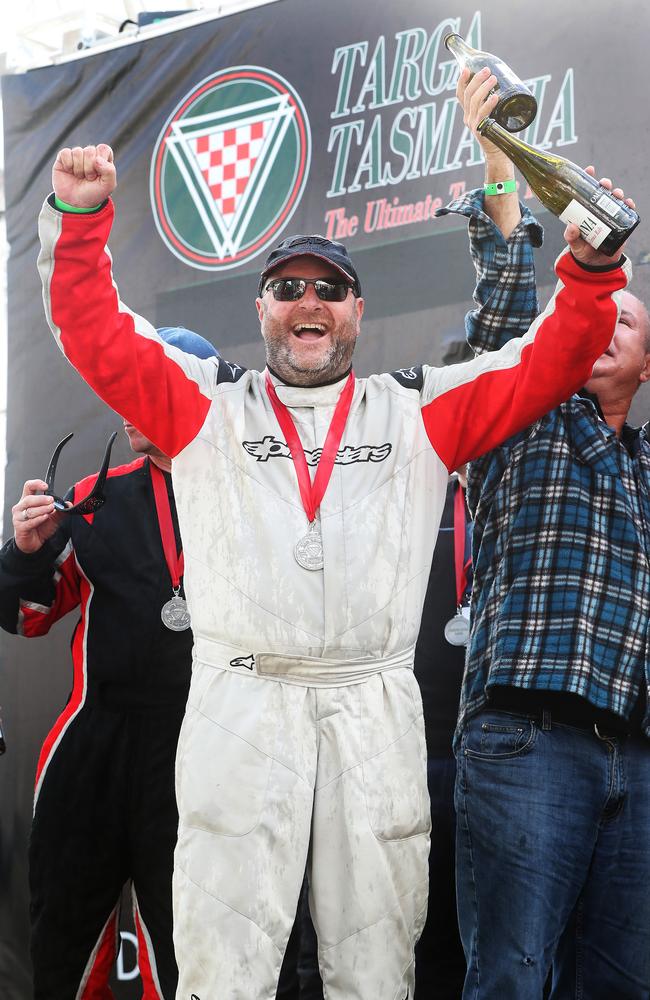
point(95, 498)
point(292, 289)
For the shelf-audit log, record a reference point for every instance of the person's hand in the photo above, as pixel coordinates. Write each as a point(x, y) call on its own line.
point(478, 103)
point(34, 517)
point(583, 251)
point(84, 177)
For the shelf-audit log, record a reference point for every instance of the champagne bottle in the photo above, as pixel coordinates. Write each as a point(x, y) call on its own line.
point(517, 106)
point(568, 191)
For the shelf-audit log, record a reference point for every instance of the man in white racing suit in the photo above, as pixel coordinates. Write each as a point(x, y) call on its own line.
point(302, 744)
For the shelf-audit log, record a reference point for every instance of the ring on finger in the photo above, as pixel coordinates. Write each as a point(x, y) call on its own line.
point(25, 514)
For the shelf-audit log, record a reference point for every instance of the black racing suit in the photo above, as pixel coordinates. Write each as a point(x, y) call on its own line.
point(105, 810)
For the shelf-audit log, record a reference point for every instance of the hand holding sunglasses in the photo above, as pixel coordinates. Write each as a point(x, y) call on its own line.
point(95, 498)
point(37, 514)
point(34, 517)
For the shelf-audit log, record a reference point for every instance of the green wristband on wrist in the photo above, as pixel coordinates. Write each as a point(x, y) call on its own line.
point(63, 207)
point(500, 187)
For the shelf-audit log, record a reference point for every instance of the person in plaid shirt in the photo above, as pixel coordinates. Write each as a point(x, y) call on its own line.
point(553, 749)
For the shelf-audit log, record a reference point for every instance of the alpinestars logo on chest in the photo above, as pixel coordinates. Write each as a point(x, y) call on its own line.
point(271, 447)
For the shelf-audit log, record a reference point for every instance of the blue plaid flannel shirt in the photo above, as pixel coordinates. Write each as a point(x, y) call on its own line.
point(561, 548)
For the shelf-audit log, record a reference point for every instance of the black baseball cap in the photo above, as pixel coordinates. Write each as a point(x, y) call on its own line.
point(312, 246)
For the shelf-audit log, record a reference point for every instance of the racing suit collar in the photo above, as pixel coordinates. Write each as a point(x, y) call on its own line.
point(325, 394)
point(277, 380)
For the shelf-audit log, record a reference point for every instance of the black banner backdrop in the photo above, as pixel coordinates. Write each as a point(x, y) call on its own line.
point(228, 135)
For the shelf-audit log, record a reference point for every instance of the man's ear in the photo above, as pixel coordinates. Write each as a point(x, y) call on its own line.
point(645, 371)
point(259, 305)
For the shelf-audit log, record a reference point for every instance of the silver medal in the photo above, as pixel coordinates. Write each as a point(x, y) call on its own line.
point(308, 551)
point(175, 614)
point(457, 630)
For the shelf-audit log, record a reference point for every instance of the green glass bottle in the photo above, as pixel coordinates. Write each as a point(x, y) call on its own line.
point(568, 191)
point(517, 107)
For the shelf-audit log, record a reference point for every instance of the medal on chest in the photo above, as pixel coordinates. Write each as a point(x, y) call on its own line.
point(174, 612)
point(309, 551)
point(457, 628)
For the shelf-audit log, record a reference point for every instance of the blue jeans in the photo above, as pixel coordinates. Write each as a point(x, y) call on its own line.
point(553, 860)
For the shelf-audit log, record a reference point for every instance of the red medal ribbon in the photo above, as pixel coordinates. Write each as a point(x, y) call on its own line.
point(175, 562)
point(460, 540)
point(312, 493)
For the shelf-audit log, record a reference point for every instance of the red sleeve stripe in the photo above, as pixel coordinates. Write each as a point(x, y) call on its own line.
point(164, 392)
point(27, 606)
point(36, 619)
point(479, 404)
point(79, 685)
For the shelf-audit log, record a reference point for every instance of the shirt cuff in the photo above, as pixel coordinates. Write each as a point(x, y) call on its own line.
point(472, 205)
point(61, 206)
point(598, 268)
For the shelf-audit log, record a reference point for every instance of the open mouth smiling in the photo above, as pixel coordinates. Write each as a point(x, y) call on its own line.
point(309, 332)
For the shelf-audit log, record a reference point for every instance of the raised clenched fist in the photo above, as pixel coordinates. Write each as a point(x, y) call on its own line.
point(84, 177)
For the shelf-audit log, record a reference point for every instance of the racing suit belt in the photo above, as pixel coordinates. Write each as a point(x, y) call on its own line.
point(308, 671)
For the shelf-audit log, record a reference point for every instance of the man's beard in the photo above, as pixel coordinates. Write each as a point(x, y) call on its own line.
point(285, 362)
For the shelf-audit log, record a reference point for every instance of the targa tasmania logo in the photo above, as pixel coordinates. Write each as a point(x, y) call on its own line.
point(229, 167)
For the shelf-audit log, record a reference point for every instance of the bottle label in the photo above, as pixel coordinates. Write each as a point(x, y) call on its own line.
point(608, 205)
point(591, 228)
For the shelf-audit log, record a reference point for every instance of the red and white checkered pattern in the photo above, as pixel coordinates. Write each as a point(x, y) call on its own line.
point(227, 159)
